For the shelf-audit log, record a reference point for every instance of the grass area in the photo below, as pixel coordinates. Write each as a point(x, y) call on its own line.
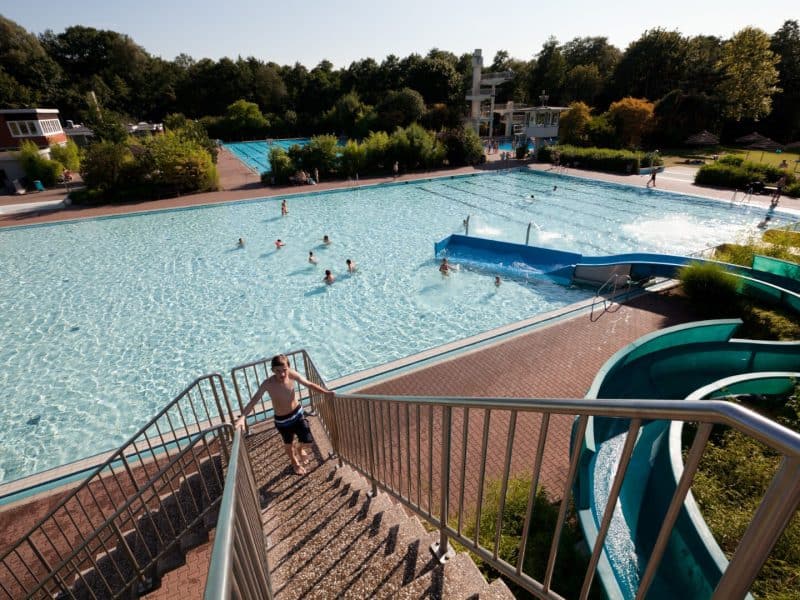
point(680, 156)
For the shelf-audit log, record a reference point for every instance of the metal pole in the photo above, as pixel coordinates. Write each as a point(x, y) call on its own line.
point(441, 549)
point(466, 225)
point(528, 235)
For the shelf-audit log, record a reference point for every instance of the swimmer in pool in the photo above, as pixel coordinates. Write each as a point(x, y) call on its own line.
point(329, 278)
point(351, 266)
point(311, 258)
point(444, 268)
point(279, 244)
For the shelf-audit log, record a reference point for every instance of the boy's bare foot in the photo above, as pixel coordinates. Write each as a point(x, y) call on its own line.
point(298, 470)
point(305, 456)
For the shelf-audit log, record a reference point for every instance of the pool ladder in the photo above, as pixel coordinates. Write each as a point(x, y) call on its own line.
point(616, 284)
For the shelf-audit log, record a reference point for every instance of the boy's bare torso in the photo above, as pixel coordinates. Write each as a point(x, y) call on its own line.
point(281, 392)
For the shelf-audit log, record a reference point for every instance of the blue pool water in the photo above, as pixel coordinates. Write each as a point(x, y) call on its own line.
point(103, 321)
point(256, 154)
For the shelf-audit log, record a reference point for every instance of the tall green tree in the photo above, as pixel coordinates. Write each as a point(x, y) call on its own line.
point(785, 43)
point(28, 75)
point(749, 75)
point(548, 72)
point(651, 66)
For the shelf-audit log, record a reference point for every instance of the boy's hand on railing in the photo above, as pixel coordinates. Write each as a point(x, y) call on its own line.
point(241, 423)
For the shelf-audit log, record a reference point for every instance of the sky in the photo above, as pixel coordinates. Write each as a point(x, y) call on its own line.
point(341, 31)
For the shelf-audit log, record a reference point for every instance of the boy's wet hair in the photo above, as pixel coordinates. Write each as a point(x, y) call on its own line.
point(280, 360)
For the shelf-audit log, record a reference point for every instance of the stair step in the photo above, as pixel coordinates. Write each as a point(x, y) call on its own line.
point(498, 590)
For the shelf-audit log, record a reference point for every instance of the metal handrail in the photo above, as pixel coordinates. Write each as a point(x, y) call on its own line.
point(125, 548)
point(373, 443)
point(613, 283)
point(239, 557)
point(128, 470)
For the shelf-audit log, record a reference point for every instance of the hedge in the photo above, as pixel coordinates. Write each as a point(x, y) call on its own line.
point(596, 159)
point(733, 173)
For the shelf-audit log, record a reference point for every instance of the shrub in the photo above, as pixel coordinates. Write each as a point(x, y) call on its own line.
point(711, 289)
point(598, 159)
point(462, 146)
point(733, 475)
point(522, 151)
point(377, 145)
point(175, 164)
point(282, 166)
point(68, 155)
point(728, 174)
point(321, 153)
point(353, 159)
point(37, 167)
point(104, 164)
point(571, 564)
point(733, 160)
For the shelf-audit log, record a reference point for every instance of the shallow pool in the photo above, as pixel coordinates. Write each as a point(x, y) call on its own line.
point(103, 321)
point(255, 155)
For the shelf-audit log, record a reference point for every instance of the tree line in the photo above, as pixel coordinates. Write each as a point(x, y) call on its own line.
point(728, 86)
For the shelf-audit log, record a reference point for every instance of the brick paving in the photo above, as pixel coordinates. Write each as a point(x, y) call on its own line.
point(556, 361)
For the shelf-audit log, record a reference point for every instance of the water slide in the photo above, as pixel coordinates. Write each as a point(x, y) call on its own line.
point(698, 360)
point(768, 279)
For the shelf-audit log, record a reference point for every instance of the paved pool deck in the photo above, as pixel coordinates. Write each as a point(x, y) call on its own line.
point(237, 182)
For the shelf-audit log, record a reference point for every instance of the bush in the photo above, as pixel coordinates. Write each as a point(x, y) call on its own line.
point(68, 155)
point(462, 146)
point(734, 473)
point(732, 172)
point(37, 167)
point(733, 160)
point(282, 166)
point(597, 159)
point(321, 153)
point(353, 159)
point(571, 564)
point(711, 289)
point(104, 164)
point(377, 145)
point(522, 151)
point(171, 163)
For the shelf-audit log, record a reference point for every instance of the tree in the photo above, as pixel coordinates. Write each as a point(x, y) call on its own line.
point(27, 74)
point(749, 75)
point(573, 123)
point(436, 79)
point(786, 114)
point(583, 83)
point(244, 118)
point(652, 65)
point(548, 73)
point(632, 118)
point(400, 108)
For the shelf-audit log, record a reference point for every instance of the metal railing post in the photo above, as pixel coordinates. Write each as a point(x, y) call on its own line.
point(442, 549)
point(374, 486)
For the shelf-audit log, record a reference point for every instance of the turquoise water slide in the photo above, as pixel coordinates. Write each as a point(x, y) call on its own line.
point(697, 360)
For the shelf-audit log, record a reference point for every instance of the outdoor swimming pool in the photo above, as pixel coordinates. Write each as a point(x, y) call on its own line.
point(255, 155)
point(105, 320)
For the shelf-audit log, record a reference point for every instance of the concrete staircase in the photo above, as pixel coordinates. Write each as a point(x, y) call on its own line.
point(328, 539)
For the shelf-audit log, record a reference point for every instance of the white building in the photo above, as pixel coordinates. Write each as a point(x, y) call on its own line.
point(520, 122)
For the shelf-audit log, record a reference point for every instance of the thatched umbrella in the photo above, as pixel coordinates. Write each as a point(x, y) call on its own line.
point(765, 144)
point(704, 138)
point(750, 138)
